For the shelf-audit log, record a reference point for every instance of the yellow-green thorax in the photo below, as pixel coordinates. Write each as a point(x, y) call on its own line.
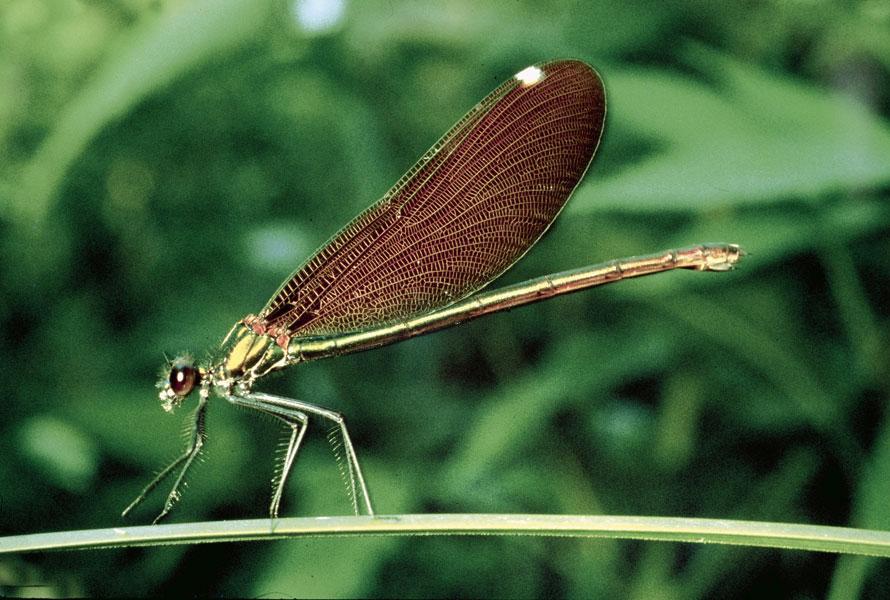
point(249, 355)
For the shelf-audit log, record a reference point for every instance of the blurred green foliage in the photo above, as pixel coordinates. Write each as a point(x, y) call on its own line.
point(165, 164)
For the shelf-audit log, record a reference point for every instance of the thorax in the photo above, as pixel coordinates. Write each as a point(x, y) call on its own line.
point(245, 357)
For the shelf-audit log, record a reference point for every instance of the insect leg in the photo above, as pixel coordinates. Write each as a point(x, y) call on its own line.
point(198, 437)
point(298, 423)
point(356, 479)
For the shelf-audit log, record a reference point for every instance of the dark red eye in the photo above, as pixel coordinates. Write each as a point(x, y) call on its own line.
point(183, 378)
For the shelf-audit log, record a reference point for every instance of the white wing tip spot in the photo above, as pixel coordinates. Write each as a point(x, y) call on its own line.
point(529, 76)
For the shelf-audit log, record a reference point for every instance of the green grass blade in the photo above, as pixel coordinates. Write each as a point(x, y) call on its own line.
point(789, 536)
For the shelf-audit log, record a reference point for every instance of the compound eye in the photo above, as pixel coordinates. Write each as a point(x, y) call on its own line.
point(183, 378)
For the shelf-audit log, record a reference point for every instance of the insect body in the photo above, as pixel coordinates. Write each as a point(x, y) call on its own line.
point(413, 262)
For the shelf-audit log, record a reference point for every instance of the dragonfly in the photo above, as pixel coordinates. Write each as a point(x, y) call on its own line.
point(415, 261)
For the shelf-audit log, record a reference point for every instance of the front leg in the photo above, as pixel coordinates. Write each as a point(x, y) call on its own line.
point(196, 442)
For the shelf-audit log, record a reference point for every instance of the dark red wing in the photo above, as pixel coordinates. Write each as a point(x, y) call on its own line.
point(470, 208)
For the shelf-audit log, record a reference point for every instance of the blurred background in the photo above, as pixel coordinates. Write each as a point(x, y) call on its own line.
point(164, 165)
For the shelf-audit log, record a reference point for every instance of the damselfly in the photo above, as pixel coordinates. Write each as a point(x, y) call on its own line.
point(412, 262)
